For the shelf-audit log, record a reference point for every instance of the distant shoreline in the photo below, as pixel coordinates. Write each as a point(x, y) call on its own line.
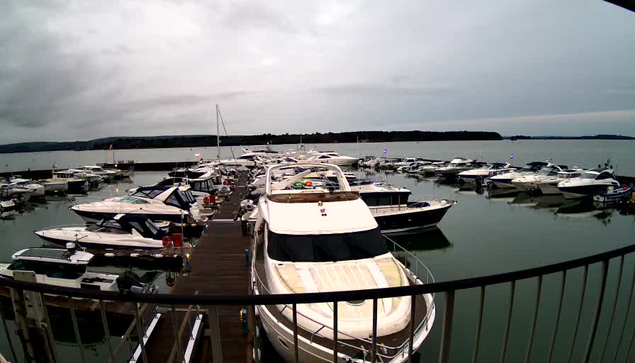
point(181, 141)
point(595, 137)
point(191, 141)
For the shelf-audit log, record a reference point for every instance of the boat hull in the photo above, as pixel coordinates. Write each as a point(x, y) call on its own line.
point(100, 244)
point(409, 218)
point(582, 191)
point(282, 339)
point(549, 188)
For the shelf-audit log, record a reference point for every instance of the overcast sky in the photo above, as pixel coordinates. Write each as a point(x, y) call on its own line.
point(75, 70)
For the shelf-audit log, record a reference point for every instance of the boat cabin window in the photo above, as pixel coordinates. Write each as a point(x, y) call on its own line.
point(53, 270)
point(327, 247)
point(148, 193)
point(180, 199)
point(132, 200)
point(605, 175)
point(324, 157)
point(588, 176)
point(381, 200)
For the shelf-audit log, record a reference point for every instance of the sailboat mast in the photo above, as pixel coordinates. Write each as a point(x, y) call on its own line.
point(217, 135)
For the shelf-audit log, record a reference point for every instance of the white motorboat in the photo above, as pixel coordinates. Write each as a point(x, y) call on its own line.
point(332, 158)
point(305, 237)
point(36, 190)
point(107, 175)
point(430, 169)
point(94, 180)
point(76, 184)
point(456, 166)
point(174, 204)
point(484, 172)
point(54, 186)
point(408, 217)
point(68, 268)
point(9, 190)
point(549, 185)
point(504, 181)
point(123, 231)
point(530, 181)
point(588, 183)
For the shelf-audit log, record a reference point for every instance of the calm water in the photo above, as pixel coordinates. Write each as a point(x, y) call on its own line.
point(482, 234)
point(572, 152)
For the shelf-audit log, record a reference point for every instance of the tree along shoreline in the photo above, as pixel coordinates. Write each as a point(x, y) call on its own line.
point(180, 141)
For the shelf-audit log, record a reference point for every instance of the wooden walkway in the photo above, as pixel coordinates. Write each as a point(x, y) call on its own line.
point(217, 267)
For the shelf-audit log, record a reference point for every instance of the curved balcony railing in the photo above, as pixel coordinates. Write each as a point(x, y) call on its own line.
point(448, 289)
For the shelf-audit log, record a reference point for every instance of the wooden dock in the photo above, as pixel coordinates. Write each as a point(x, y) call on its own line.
point(218, 267)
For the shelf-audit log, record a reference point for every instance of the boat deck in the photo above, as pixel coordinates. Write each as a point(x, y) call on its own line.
point(356, 348)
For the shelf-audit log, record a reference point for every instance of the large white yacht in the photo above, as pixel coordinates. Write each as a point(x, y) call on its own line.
point(314, 240)
point(174, 204)
point(589, 183)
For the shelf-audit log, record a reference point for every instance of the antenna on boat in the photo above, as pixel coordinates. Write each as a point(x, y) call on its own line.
point(217, 135)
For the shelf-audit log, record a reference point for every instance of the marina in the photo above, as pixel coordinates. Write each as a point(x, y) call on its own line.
point(216, 263)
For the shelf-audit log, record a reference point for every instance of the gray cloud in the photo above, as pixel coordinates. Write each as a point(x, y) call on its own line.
point(83, 70)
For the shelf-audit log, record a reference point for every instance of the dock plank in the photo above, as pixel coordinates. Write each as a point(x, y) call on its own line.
point(218, 268)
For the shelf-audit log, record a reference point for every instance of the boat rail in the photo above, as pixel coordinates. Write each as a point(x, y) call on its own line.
point(604, 300)
point(429, 278)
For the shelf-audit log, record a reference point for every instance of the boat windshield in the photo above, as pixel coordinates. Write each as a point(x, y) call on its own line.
point(588, 176)
point(327, 247)
point(545, 171)
point(132, 200)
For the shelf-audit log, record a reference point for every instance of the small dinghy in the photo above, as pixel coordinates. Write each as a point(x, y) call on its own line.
point(123, 231)
point(613, 195)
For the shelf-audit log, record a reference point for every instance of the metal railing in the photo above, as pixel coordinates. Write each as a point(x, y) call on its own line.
point(596, 346)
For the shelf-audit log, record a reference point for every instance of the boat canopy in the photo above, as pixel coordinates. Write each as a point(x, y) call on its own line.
point(139, 222)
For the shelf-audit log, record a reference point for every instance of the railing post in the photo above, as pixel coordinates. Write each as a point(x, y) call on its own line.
point(413, 305)
point(477, 341)
point(140, 332)
point(577, 324)
point(373, 353)
point(535, 320)
point(617, 296)
point(104, 322)
point(626, 315)
point(446, 329)
point(335, 307)
point(598, 311)
point(8, 334)
point(78, 337)
point(177, 340)
point(295, 333)
point(509, 320)
point(555, 330)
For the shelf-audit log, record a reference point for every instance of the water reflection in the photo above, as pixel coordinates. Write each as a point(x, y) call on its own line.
point(426, 240)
